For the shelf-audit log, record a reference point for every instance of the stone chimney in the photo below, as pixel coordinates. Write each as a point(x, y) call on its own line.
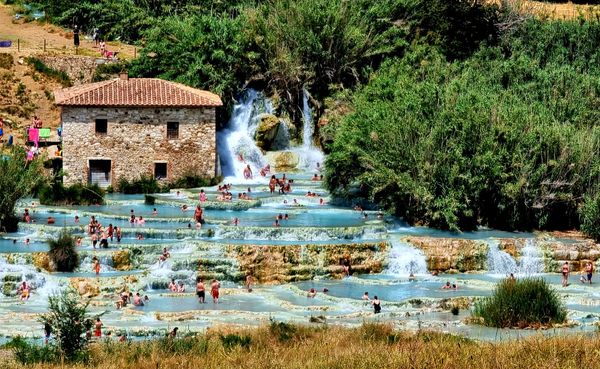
point(123, 76)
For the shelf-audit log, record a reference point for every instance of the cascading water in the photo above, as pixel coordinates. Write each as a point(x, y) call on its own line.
point(307, 126)
point(405, 259)
point(499, 262)
point(235, 143)
point(531, 261)
point(310, 157)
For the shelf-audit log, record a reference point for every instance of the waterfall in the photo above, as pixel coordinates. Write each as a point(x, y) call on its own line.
point(307, 123)
point(405, 259)
point(310, 157)
point(235, 143)
point(499, 262)
point(531, 259)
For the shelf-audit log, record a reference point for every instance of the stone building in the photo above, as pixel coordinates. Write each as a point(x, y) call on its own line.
point(128, 127)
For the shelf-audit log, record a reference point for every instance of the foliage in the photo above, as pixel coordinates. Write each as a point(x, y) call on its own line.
point(202, 50)
point(17, 179)
point(6, 61)
point(194, 181)
point(149, 199)
point(58, 75)
point(521, 303)
point(63, 253)
point(56, 193)
point(69, 320)
point(28, 353)
point(590, 216)
point(184, 346)
point(109, 70)
point(505, 138)
point(145, 184)
point(232, 340)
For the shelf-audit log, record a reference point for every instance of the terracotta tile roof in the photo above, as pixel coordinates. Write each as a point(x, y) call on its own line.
point(148, 92)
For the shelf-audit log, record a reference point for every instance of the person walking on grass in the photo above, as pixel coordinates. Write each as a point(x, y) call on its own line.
point(565, 274)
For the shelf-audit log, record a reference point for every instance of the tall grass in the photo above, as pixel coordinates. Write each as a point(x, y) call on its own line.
point(521, 303)
point(337, 347)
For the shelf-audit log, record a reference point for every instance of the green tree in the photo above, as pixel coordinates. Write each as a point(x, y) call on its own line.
point(590, 216)
point(18, 178)
point(70, 320)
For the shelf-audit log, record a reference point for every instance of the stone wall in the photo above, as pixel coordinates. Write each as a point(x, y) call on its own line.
point(80, 69)
point(452, 254)
point(136, 138)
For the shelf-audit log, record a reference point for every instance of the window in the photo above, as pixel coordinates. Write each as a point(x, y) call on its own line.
point(160, 170)
point(172, 130)
point(101, 126)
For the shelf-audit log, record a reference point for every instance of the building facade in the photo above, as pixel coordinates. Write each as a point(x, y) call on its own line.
point(129, 127)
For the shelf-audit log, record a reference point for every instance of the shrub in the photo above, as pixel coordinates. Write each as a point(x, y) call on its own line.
point(590, 216)
point(6, 61)
point(145, 184)
point(28, 353)
point(16, 181)
point(282, 331)
point(149, 200)
point(69, 320)
point(62, 252)
point(521, 303)
point(230, 341)
point(57, 75)
point(193, 181)
point(78, 194)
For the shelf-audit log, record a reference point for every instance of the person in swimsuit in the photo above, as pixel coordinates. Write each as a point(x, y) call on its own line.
point(248, 172)
point(214, 290)
point(98, 328)
point(47, 332)
point(173, 286)
point(311, 293)
point(589, 270)
point(565, 274)
point(202, 196)
point(346, 264)
point(366, 296)
point(376, 305)
point(200, 290)
point(447, 286)
point(97, 267)
point(249, 282)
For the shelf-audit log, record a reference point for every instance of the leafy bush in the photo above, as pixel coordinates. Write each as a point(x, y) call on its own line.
point(63, 253)
point(232, 340)
point(77, 194)
point(149, 199)
point(17, 179)
point(145, 184)
point(69, 320)
point(457, 145)
point(57, 75)
point(521, 303)
point(6, 61)
point(590, 216)
point(28, 353)
point(194, 181)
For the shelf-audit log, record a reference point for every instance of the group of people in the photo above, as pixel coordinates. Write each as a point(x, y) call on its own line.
point(99, 233)
point(283, 184)
point(586, 274)
point(215, 285)
point(126, 298)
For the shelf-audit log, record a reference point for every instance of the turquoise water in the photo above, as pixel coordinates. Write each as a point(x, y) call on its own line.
point(414, 304)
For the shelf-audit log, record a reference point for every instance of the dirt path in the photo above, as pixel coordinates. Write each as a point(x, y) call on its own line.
point(29, 37)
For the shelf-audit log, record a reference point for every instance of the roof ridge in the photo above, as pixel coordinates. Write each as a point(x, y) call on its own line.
point(136, 92)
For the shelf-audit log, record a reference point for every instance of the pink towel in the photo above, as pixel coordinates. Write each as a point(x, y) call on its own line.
point(34, 134)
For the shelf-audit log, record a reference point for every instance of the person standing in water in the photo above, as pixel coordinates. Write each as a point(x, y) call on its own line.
point(214, 290)
point(200, 290)
point(376, 305)
point(249, 281)
point(565, 274)
point(98, 328)
point(97, 267)
point(589, 270)
point(248, 172)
